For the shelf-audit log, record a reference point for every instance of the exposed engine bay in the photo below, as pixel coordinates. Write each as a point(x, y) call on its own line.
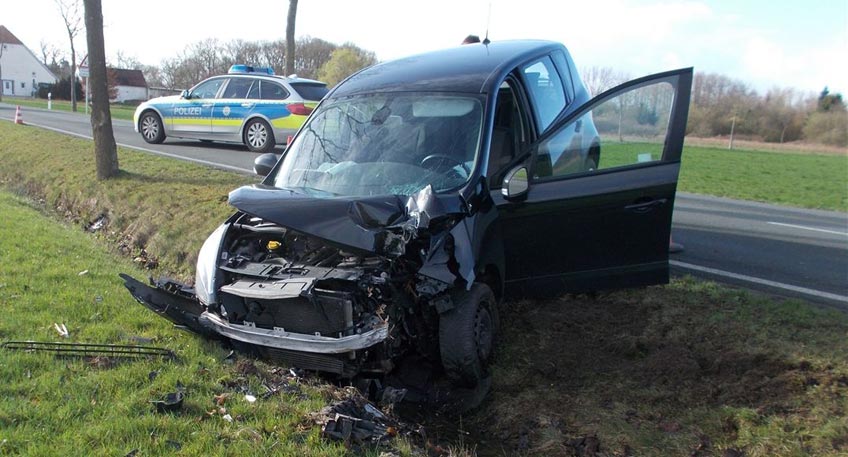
point(345, 306)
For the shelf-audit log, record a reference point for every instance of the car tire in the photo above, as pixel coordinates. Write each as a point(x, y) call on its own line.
point(258, 136)
point(151, 128)
point(467, 335)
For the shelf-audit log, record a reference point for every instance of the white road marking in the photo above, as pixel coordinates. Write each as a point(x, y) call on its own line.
point(802, 227)
point(764, 282)
point(152, 151)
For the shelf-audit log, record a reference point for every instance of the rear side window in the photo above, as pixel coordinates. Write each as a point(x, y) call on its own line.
point(272, 91)
point(237, 88)
point(546, 92)
point(310, 91)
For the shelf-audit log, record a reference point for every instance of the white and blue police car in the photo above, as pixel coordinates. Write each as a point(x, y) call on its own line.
point(249, 105)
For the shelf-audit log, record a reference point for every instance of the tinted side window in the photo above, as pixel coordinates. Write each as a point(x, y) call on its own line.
point(546, 92)
point(272, 91)
point(237, 88)
point(565, 72)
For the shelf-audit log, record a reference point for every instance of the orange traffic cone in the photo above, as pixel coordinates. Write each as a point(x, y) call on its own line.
point(674, 248)
point(18, 117)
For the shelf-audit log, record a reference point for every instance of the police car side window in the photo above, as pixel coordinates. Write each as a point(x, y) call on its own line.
point(253, 93)
point(271, 91)
point(237, 88)
point(207, 89)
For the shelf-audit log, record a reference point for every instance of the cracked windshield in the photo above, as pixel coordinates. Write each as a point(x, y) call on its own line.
point(384, 144)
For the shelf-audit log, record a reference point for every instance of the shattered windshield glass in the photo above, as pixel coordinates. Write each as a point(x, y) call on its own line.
point(384, 144)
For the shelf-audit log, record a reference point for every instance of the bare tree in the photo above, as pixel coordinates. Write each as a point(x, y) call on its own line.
point(70, 11)
point(105, 150)
point(599, 79)
point(127, 62)
point(49, 54)
point(290, 37)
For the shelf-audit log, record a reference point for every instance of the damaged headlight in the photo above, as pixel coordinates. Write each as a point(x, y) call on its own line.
point(207, 265)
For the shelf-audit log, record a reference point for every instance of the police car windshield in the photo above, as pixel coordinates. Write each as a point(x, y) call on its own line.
point(384, 144)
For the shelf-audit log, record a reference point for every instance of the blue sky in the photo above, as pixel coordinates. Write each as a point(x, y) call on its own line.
point(800, 44)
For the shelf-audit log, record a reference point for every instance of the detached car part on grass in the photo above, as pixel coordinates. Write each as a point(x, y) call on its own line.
point(422, 191)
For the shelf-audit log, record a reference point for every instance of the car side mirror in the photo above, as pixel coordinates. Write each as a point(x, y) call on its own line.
point(185, 94)
point(263, 164)
point(515, 184)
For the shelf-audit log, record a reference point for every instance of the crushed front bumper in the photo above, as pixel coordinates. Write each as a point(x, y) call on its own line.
point(280, 339)
point(176, 302)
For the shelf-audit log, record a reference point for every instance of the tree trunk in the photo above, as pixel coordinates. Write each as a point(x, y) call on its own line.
point(105, 150)
point(290, 37)
point(73, 77)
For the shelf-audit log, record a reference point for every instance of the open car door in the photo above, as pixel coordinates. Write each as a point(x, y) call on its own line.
point(595, 209)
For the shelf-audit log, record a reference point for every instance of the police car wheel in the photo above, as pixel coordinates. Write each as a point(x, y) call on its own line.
point(258, 136)
point(151, 128)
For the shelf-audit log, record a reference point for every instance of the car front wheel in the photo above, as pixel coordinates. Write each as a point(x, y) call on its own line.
point(258, 136)
point(467, 335)
point(151, 128)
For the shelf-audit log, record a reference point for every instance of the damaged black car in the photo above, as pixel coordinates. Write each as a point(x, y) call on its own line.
point(423, 191)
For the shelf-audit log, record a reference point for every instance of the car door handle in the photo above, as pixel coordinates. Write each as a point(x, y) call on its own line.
point(246, 105)
point(206, 105)
point(645, 206)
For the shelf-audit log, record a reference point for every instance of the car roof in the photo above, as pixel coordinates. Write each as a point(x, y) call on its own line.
point(471, 68)
point(287, 79)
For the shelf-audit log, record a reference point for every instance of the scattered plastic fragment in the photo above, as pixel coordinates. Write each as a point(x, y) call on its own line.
point(172, 402)
point(62, 330)
point(355, 420)
point(82, 273)
point(228, 418)
point(250, 398)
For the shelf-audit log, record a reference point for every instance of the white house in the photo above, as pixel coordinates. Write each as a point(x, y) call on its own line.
point(129, 85)
point(20, 69)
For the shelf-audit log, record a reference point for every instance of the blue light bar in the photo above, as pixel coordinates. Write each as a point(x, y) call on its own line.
point(242, 68)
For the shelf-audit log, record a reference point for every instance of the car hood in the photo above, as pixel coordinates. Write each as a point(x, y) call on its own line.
point(165, 99)
point(363, 224)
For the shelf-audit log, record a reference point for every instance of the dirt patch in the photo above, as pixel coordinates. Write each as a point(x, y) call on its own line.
point(599, 376)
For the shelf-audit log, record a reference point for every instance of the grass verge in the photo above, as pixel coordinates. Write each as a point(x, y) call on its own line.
point(101, 405)
point(158, 210)
point(118, 111)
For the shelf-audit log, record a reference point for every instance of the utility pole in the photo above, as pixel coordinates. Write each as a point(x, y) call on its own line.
point(732, 128)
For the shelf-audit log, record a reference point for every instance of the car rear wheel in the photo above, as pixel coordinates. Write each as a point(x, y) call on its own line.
point(258, 136)
point(467, 335)
point(151, 128)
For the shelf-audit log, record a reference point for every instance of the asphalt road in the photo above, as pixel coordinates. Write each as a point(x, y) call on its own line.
point(779, 250)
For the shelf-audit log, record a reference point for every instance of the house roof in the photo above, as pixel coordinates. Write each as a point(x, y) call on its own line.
point(132, 78)
point(8, 37)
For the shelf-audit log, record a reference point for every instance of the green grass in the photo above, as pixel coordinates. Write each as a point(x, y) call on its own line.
point(802, 179)
point(56, 406)
point(118, 111)
point(163, 206)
